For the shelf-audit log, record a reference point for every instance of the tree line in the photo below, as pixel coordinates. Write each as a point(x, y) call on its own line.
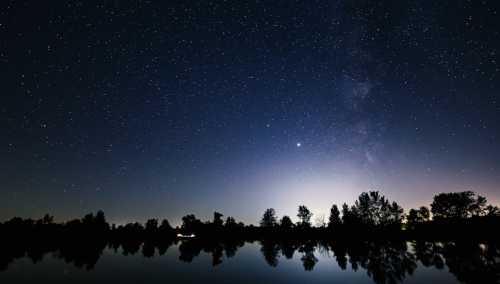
point(372, 210)
point(451, 215)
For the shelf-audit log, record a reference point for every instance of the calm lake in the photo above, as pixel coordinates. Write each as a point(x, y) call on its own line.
point(261, 262)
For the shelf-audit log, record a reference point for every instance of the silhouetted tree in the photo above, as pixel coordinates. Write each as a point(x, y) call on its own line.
point(334, 219)
point(218, 219)
point(349, 215)
point(269, 218)
point(479, 206)
point(230, 223)
point(151, 226)
point(48, 219)
point(492, 211)
point(286, 222)
point(373, 209)
point(457, 205)
point(304, 216)
point(97, 224)
point(425, 213)
point(416, 216)
point(190, 224)
point(394, 216)
point(100, 217)
point(165, 227)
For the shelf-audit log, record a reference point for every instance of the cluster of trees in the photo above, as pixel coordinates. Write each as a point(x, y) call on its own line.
point(78, 241)
point(373, 212)
point(462, 205)
point(218, 226)
point(19, 228)
point(269, 219)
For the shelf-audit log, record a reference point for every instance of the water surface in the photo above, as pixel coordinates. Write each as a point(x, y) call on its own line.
point(261, 262)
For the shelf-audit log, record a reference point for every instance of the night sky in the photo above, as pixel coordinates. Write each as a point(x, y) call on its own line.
point(162, 108)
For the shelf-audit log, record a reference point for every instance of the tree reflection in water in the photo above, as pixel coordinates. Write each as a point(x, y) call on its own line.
point(383, 261)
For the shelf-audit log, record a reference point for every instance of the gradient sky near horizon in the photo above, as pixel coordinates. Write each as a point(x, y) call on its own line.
point(162, 108)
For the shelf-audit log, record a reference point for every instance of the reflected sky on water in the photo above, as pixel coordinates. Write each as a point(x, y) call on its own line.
point(267, 262)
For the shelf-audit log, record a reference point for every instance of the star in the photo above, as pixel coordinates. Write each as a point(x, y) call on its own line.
point(299, 144)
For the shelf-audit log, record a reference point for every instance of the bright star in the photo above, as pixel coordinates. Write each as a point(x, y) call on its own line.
point(299, 144)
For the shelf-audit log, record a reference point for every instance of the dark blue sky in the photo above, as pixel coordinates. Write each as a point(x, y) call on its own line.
point(162, 108)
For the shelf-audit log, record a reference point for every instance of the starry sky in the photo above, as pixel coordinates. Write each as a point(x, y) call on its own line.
point(162, 108)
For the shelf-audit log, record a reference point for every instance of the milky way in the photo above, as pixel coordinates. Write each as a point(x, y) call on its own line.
point(159, 108)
